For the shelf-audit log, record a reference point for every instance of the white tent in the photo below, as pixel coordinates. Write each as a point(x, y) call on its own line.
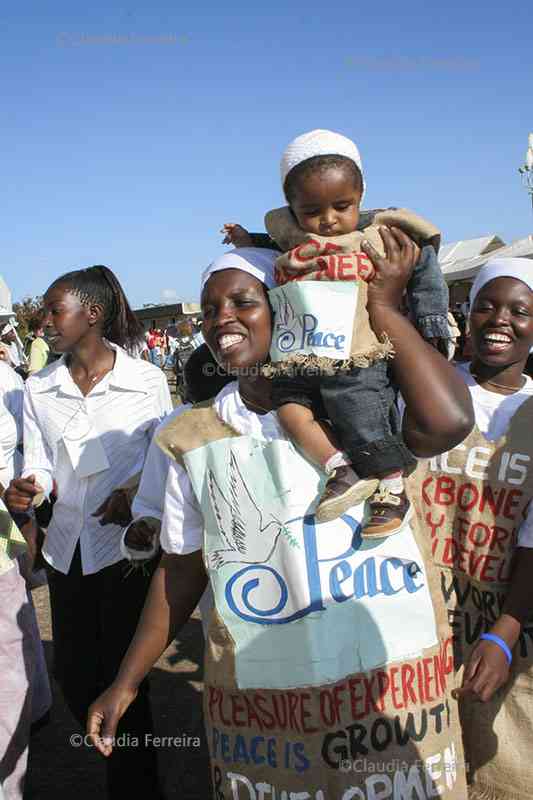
point(467, 268)
point(469, 248)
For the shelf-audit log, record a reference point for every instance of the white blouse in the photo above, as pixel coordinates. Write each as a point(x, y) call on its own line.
point(11, 402)
point(89, 446)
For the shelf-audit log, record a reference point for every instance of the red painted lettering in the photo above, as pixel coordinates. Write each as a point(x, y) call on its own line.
point(305, 697)
point(483, 537)
point(236, 708)
point(355, 699)
point(499, 536)
point(487, 498)
point(394, 687)
point(327, 708)
point(489, 562)
point(511, 503)
point(407, 678)
point(425, 496)
point(267, 718)
point(427, 679)
point(445, 491)
point(467, 496)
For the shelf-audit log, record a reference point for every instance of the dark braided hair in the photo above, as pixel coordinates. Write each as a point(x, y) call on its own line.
point(319, 165)
point(99, 286)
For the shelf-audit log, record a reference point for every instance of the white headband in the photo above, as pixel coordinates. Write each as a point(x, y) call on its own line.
point(519, 268)
point(256, 261)
point(319, 143)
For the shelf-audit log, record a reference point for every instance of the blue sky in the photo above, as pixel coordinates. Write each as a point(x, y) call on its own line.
point(132, 133)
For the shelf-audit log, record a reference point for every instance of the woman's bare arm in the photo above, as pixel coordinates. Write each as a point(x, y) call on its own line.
point(439, 412)
point(175, 590)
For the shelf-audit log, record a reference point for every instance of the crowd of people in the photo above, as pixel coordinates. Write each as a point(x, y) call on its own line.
point(345, 494)
point(170, 347)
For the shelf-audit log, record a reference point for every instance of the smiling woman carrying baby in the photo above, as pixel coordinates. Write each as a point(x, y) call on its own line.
point(315, 685)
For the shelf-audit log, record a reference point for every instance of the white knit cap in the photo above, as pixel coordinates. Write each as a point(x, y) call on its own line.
point(319, 143)
point(256, 261)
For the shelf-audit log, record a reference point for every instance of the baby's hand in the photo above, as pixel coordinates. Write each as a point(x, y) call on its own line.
point(236, 235)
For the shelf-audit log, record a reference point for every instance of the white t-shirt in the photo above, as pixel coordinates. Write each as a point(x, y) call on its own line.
point(493, 413)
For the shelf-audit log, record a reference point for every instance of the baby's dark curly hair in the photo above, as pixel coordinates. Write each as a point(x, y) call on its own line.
point(319, 165)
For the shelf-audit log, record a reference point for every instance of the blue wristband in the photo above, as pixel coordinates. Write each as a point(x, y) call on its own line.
point(491, 637)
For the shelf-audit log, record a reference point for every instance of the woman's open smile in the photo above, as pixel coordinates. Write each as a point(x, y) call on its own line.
point(229, 341)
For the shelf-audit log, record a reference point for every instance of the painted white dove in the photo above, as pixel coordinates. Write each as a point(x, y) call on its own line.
point(240, 523)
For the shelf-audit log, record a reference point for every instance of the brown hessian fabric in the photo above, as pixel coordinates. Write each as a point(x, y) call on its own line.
point(471, 502)
point(392, 732)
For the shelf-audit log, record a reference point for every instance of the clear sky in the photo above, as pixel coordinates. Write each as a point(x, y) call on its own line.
point(131, 133)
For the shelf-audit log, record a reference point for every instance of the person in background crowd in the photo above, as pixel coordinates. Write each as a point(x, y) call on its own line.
point(154, 342)
point(139, 349)
point(172, 344)
point(455, 335)
point(151, 339)
point(5, 354)
point(475, 503)
point(238, 513)
point(24, 687)
point(88, 422)
point(38, 351)
point(16, 351)
point(198, 339)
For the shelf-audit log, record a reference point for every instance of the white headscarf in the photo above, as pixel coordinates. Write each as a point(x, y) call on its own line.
point(256, 261)
point(319, 143)
point(519, 268)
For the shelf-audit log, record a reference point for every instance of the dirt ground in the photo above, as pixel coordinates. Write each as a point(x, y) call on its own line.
point(59, 771)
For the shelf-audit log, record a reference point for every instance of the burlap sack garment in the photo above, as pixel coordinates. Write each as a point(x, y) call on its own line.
point(470, 503)
point(392, 732)
point(317, 258)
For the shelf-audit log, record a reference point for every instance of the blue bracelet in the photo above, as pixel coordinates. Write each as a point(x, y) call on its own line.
point(491, 637)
